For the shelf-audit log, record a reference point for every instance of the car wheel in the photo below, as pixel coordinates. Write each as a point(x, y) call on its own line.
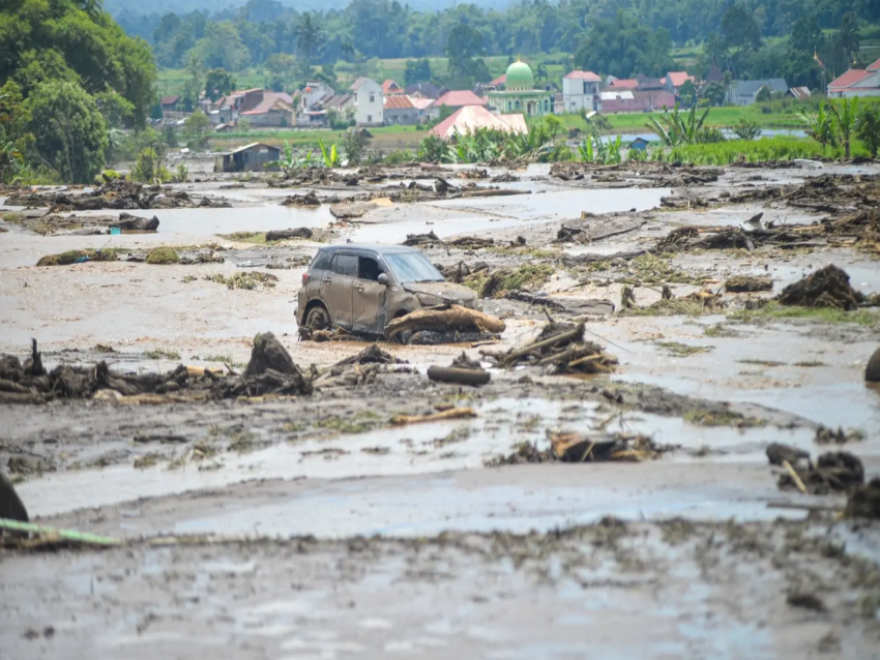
point(317, 318)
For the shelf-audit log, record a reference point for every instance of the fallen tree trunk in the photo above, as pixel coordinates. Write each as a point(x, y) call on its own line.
point(444, 316)
point(454, 413)
point(286, 234)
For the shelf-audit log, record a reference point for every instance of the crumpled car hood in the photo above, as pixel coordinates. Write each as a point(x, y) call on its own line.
point(445, 290)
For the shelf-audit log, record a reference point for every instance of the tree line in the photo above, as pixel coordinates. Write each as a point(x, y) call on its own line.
point(621, 34)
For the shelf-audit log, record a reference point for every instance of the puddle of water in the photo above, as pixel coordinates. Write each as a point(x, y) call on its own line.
point(412, 450)
point(481, 214)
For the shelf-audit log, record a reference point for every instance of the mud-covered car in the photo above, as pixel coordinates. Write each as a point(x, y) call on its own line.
point(362, 287)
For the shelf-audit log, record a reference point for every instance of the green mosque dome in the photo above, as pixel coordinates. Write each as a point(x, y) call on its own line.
point(519, 77)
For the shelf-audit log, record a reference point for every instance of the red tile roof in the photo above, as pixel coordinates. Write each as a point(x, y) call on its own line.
point(624, 83)
point(500, 80)
point(849, 78)
point(679, 78)
point(170, 100)
point(874, 66)
point(470, 118)
point(589, 76)
point(459, 99)
point(398, 102)
point(391, 87)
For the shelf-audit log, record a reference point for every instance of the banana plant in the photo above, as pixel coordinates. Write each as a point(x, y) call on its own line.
point(329, 156)
point(819, 126)
point(845, 120)
point(585, 149)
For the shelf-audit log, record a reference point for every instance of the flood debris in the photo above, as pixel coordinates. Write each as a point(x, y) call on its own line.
point(271, 371)
point(445, 319)
point(827, 287)
point(431, 239)
point(561, 347)
point(39, 538)
point(827, 436)
point(833, 472)
point(461, 271)
point(247, 280)
point(118, 194)
point(444, 415)
point(11, 507)
point(693, 304)
point(577, 448)
point(872, 370)
point(503, 280)
point(288, 234)
point(748, 284)
point(459, 376)
point(864, 501)
point(371, 355)
point(309, 199)
point(78, 257)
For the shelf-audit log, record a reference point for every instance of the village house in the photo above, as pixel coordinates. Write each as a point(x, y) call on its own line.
point(171, 107)
point(675, 79)
point(423, 107)
point(399, 109)
point(580, 91)
point(269, 109)
point(314, 94)
point(368, 102)
point(745, 92)
point(256, 157)
point(425, 90)
point(472, 117)
point(454, 100)
point(856, 82)
point(391, 88)
point(621, 84)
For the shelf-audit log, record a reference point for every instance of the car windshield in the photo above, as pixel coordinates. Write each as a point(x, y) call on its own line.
point(412, 267)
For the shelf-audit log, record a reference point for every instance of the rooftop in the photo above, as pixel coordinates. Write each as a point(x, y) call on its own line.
point(588, 76)
point(679, 78)
point(473, 117)
point(459, 99)
point(623, 83)
point(849, 78)
point(398, 102)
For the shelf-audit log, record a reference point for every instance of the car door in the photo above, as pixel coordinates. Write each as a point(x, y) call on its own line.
point(336, 288)
point(368, 297)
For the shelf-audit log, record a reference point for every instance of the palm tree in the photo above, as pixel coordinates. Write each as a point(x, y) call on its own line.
point(849, 36)
point(846, 120)
point(308, 35)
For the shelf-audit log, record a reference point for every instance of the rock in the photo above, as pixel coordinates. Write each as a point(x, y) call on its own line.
point(286, 234)
point(10, 505)
point(872, 371)
point(130, 222)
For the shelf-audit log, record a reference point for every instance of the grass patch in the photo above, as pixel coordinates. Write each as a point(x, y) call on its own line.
point(810, 363)
point(674, 307)
point(248, 280)
point(653, 269)
point(527, 276)
point(722, 418)
point(161, 256)
point(242, 442)
point(762, 363)
point(224, 359)
point(162, 353)
point(78, 256)
point(357, 423)
point(189, 278)
point(677, 349)
point(746, 151)
point(147, 460)
point(720, 330)
point(773, 310)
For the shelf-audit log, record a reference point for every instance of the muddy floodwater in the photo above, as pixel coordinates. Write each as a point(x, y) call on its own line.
point(376, 512)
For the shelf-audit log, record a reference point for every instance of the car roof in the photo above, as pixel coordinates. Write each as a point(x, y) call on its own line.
point(374, 248)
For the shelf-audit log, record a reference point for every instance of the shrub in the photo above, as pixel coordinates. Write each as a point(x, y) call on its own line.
point(149, 168)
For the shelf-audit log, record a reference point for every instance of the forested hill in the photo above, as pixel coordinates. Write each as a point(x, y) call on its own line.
point(749, 38)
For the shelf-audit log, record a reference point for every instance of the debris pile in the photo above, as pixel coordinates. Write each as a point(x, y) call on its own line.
point(826, 436)
point(309, 199)
point(864, 501)
point(11, 507)
point(116, 194)
point(271, 371)
point(693, 304)
point(451, 323)
point(748, 284)
point(828, 287)
point(562, 348)
point(834, 472)
point(578, 448)
point(431, 239)
point(462, 371)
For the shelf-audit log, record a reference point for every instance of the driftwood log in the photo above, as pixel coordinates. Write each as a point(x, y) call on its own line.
point(444, 317)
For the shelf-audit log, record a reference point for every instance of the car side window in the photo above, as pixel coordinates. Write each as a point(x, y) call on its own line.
point(321, 262)
point(345, 264)
point(369, 269)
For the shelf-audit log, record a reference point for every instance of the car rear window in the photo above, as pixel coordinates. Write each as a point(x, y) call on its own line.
point(321, 261)
point(345, 264)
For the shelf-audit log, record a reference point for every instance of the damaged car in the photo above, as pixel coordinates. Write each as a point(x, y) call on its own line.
point(361, 288)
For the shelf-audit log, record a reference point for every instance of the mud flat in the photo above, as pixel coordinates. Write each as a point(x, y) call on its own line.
point(321, 525)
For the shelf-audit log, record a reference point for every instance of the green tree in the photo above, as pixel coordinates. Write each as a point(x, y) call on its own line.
point(688, 94)
point(845, 119)
point(282, 72)
point(868, 128)
point(196, 129)
point(849, 37)
point(218, 83)
point(150, 168)
point(70, 135)
point(308, 35)
point(764, 95)
point(417, 71)
point(746, 130)
point(714, 93)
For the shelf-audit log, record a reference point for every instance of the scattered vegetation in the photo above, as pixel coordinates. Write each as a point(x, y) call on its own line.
point(248, 280)
point(677, 349)
point(722, 418)
point(773, 310)
point(162, 354)
point(162, 256)
point(78, 256)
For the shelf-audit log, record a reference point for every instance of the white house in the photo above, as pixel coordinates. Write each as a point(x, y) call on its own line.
point(580, 91)
point(857, 82)
point(745, 92)
point(369, 102)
